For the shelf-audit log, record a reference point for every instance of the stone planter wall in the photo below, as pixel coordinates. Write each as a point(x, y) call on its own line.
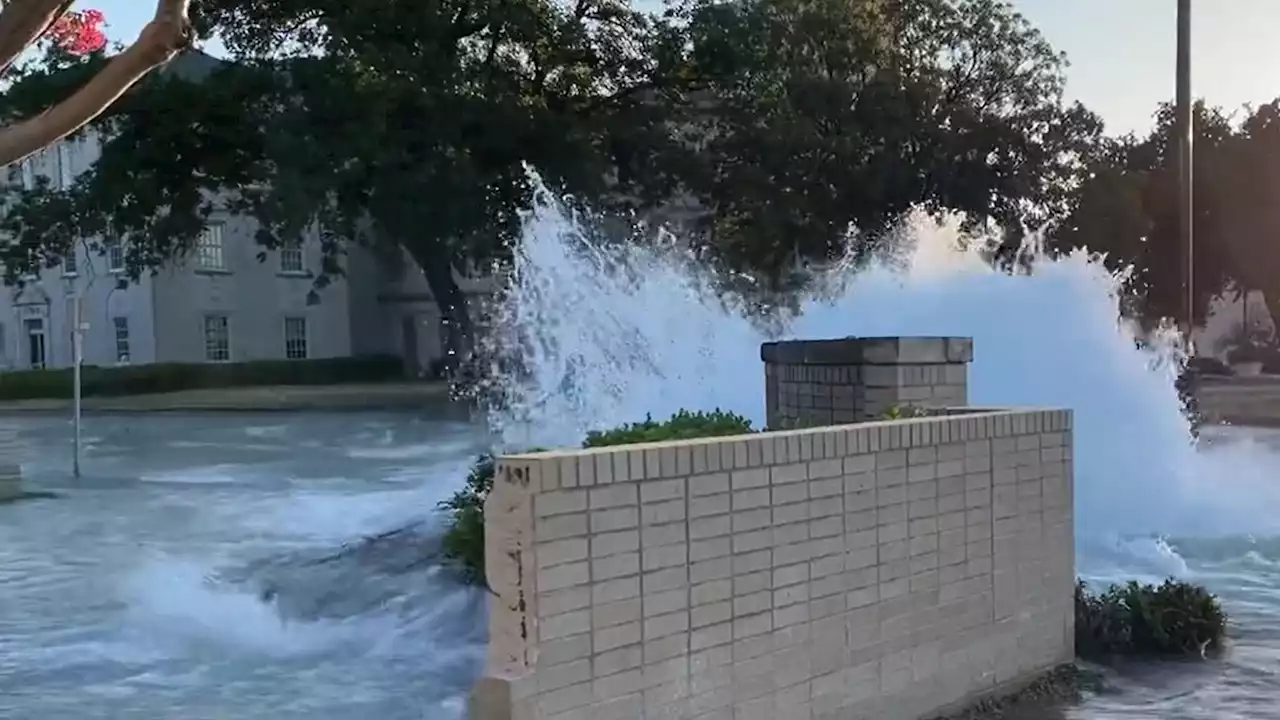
point(886, 570)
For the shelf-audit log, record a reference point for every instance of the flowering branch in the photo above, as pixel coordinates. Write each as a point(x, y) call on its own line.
point(22, 22)
point(78, 32)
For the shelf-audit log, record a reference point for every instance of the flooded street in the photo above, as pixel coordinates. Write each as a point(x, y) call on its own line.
point(136, 593)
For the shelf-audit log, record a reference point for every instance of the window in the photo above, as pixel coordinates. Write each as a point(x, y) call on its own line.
point(28, 174)
point(69, 265)
point(217, 338)
point(64, 165)
point(115, 256)
point(291, 260)
point(122, 339)
point(35, 343)
point(210, 253)
point(295, 338)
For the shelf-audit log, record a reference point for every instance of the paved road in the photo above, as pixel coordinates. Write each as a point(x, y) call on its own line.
point(381, 396)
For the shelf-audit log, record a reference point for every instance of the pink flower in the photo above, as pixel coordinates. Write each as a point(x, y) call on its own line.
point(78, 32)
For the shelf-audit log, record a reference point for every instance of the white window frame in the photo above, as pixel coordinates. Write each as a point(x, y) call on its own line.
point(124, 351)
point(32, 326)
point(70, 263)
point(217, 349)
point(211, 249)
point(297, 346)
point(292, 260)
point(115, 256)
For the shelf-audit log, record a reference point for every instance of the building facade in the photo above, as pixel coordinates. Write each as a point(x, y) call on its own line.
point(221, 303)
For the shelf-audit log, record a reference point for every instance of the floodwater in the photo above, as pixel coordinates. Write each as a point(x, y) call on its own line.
point(139, 592)
point(190, 572)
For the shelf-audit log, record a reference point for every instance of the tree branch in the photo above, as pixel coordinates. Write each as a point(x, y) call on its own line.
point(168, 33)
point(22, 22)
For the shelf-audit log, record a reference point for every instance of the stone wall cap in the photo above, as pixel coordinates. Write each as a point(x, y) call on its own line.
point(950, 413)
point(915, 350)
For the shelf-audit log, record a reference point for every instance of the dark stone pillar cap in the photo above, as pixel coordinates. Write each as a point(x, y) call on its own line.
point(869, 351)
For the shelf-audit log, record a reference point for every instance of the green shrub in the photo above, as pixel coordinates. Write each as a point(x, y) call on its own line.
point(681, 426)
point(463, 542)
point(893, 412)
point(1171, 619)
point(98, 381)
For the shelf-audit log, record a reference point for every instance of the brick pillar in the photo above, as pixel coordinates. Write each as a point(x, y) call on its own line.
point(834, 382)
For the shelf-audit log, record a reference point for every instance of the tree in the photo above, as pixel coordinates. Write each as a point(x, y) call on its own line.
point(1126, 207)
point(1251, 225)
point(388, 124)
point(24, 22)
point(815, 117)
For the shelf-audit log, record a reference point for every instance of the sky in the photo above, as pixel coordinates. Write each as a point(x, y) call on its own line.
point(1121, 51)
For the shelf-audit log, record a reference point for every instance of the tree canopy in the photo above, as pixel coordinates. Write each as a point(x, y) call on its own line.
point(787, 124)
point(825, 116)
point(1126, 206)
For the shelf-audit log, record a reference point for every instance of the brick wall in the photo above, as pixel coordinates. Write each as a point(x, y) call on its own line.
point(881, 570)
point(832, 382)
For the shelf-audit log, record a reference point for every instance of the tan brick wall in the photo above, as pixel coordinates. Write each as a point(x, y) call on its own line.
point(881, 570)
point(809, 395)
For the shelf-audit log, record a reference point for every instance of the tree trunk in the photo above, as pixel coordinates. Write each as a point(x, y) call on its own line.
point(452, 301)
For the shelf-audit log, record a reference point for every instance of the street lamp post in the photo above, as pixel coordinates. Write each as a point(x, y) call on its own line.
point(77, 348)
point(1184, 135)
point(77, 362)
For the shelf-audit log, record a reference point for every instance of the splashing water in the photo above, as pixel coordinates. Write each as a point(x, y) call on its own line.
point(606, 334)
point(610, 334)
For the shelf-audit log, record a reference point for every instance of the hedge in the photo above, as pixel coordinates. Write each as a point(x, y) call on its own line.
point(1174, 619)
point(98, 381)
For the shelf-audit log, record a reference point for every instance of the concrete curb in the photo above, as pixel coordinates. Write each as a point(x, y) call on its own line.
point(335, 398)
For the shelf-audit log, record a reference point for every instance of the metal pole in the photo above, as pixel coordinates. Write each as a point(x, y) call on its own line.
point(1185, 129)
point(77, 344)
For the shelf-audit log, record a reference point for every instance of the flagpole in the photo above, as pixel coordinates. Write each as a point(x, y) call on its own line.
point(1186, 205)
